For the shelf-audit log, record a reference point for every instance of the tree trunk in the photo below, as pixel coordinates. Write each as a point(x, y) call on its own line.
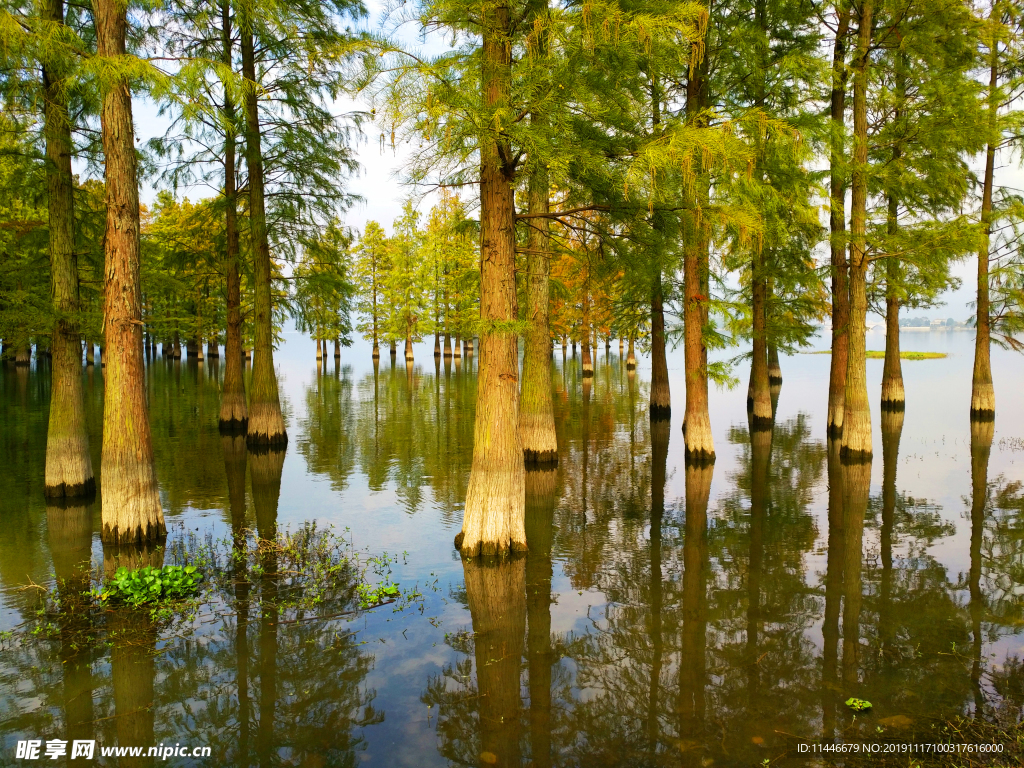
point(893, 398)
point(758, 397)
point(319, 351)
point(774, 369)
point(857, 410)
point(337, 349)
point(837, 227)
point(457, 351)
point(68, 462)
point(588, 360)
point(661, 398)
point(394, 349)
point(700, 446)
point(266, 424)
point(540, 510)
point(983, 395)
point(437, 345)
point(536, 407)
point(131, 501)
point(90, 353)
point(408, 349)
point(493, 521)
point(234, 415)
point(631, 356)
point(447, 346)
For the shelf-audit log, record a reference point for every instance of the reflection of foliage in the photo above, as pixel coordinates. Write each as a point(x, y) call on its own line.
point(328, 438)
point(1002, 552)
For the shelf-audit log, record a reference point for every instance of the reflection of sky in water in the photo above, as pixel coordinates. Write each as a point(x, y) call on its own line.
point(407, 650)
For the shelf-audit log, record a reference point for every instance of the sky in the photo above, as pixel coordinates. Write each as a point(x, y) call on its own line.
point(380, 185)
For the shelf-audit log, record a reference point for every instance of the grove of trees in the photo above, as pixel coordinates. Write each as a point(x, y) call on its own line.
point(658, 172)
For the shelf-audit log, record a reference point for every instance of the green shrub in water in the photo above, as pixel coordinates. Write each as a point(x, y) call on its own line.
point(151, 585)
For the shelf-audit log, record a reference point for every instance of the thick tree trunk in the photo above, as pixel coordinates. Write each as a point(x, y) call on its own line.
point(394, 349)
point(893, 398)
point(234, 415)
point(408, 349)
point(857, 410)
point(536, 407)
point(493, 521)
point(983, 395)
point(131, 501)
point(212, 350)
point(337, 349)
point(540, 510)
point(266, 424)
point(68, 463)
point(837, 227)
point(457, 352)
point(447, 346)
point(661, 397)
point(496, 593)
point(631, 356)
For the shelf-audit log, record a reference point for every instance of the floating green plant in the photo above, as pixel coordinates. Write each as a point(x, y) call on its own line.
point(858, 705)
point(151, 585)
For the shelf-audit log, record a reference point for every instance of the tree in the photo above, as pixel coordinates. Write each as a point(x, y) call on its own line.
point(407, 281)
point(323, 293)
point(131, 501)
point(372, 265)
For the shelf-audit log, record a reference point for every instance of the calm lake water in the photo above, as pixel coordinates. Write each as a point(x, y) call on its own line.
point(666, 615)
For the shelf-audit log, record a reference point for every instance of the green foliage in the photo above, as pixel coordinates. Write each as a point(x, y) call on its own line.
point(322, 300)
point(858, 705)
point(151, 585)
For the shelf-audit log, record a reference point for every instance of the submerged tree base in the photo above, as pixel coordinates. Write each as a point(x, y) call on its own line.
point(894, 405)
point(266, 427)
point(540, 458)
point(233, 426)
point(661, 412)
point(71, 491)
point(149, 533)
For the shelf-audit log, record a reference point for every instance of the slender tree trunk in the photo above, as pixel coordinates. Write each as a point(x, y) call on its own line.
point(234, 415)
point(68, 463)
point(337, 348)
point(983, 395)
point(758, 396)
point(661, 398)
point(131, 501)
point(893, 398)
point(857, 410)
point(587, 358)
point(774, 369)
point(266, 424)
point(837, 227)
point(457, 351)
point(536, 407)
point(408, 349)
point(700, 445)
point(631, 356)
point(493, 521)
point(437, 344)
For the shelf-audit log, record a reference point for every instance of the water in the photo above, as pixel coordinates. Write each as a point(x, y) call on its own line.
point(666, 614)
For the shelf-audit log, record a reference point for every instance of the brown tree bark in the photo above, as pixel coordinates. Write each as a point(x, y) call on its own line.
point(630, 356)
point(234, 414)
point(131, 501)
point(586, 352)
point(758, 396)
point(68, 463)
point(493, 521)
point(661, 396)
point(857, 410)
point(774, 369)
point(266, 424)
point(536, 407)
point(983, 395)
point(893, 396)
point(700, 445)
point(408, 349)
point(837, 228)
